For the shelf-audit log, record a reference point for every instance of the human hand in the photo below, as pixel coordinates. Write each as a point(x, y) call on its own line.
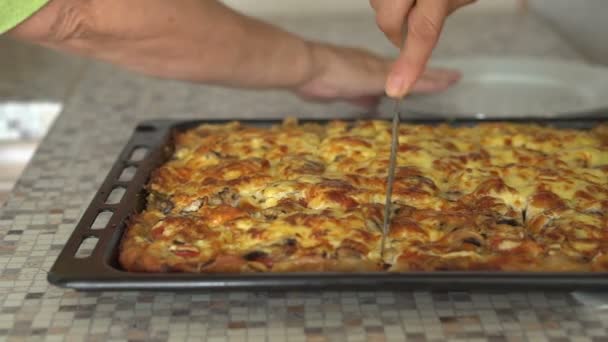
point(358, 76)
point(423, 21)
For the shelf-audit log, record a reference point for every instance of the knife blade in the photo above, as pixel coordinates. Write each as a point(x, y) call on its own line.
point(392, 164)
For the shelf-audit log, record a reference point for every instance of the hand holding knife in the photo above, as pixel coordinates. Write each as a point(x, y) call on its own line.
point(394, 17)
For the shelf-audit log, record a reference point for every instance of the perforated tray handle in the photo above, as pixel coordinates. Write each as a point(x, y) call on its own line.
point(149, 135)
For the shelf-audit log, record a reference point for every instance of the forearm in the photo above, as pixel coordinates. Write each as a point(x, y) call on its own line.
point(204, 41)
point(193, 40)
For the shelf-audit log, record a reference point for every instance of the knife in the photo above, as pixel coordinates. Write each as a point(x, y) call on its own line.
point(391, 174)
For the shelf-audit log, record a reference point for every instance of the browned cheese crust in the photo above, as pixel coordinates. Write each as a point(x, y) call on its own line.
point(309, 197)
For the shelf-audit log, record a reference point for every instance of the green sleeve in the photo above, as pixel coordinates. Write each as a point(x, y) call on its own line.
point(13, 12)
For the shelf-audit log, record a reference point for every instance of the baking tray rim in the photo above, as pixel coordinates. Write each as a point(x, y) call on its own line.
point(161, 130)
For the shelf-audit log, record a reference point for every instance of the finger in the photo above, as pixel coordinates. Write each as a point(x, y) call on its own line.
point(441, 73)
point(435, 82)
point(390, 17)
point(425, 22)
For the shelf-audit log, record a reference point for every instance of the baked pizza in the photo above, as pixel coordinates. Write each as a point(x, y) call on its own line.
point(310, 197)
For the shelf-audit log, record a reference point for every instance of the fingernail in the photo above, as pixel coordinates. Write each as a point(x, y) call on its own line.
point(394, 86)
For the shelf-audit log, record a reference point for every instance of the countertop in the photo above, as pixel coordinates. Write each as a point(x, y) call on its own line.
point(102, 106)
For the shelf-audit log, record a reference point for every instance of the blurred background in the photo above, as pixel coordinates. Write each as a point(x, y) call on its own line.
point(36, 83)
point(583, 21)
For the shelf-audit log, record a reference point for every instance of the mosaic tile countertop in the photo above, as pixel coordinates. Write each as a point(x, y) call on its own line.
point(104, 105)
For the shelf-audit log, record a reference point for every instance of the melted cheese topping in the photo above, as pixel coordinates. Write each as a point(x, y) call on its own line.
point(310, 197)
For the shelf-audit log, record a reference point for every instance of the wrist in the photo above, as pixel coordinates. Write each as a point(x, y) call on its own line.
point(318, 56)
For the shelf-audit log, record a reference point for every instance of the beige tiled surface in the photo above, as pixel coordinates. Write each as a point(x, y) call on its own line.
point(14, 157)
point(8, 177)
point(30, 72)
point(4, 195)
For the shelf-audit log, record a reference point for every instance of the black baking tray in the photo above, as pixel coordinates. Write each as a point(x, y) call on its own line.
point(100, 269)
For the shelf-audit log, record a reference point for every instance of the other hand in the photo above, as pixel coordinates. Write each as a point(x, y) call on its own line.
point(359, 77)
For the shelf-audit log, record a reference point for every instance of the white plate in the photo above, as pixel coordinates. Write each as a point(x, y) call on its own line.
point(510, 87)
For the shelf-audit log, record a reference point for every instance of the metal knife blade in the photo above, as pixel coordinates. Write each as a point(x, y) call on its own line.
point(391, 174)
